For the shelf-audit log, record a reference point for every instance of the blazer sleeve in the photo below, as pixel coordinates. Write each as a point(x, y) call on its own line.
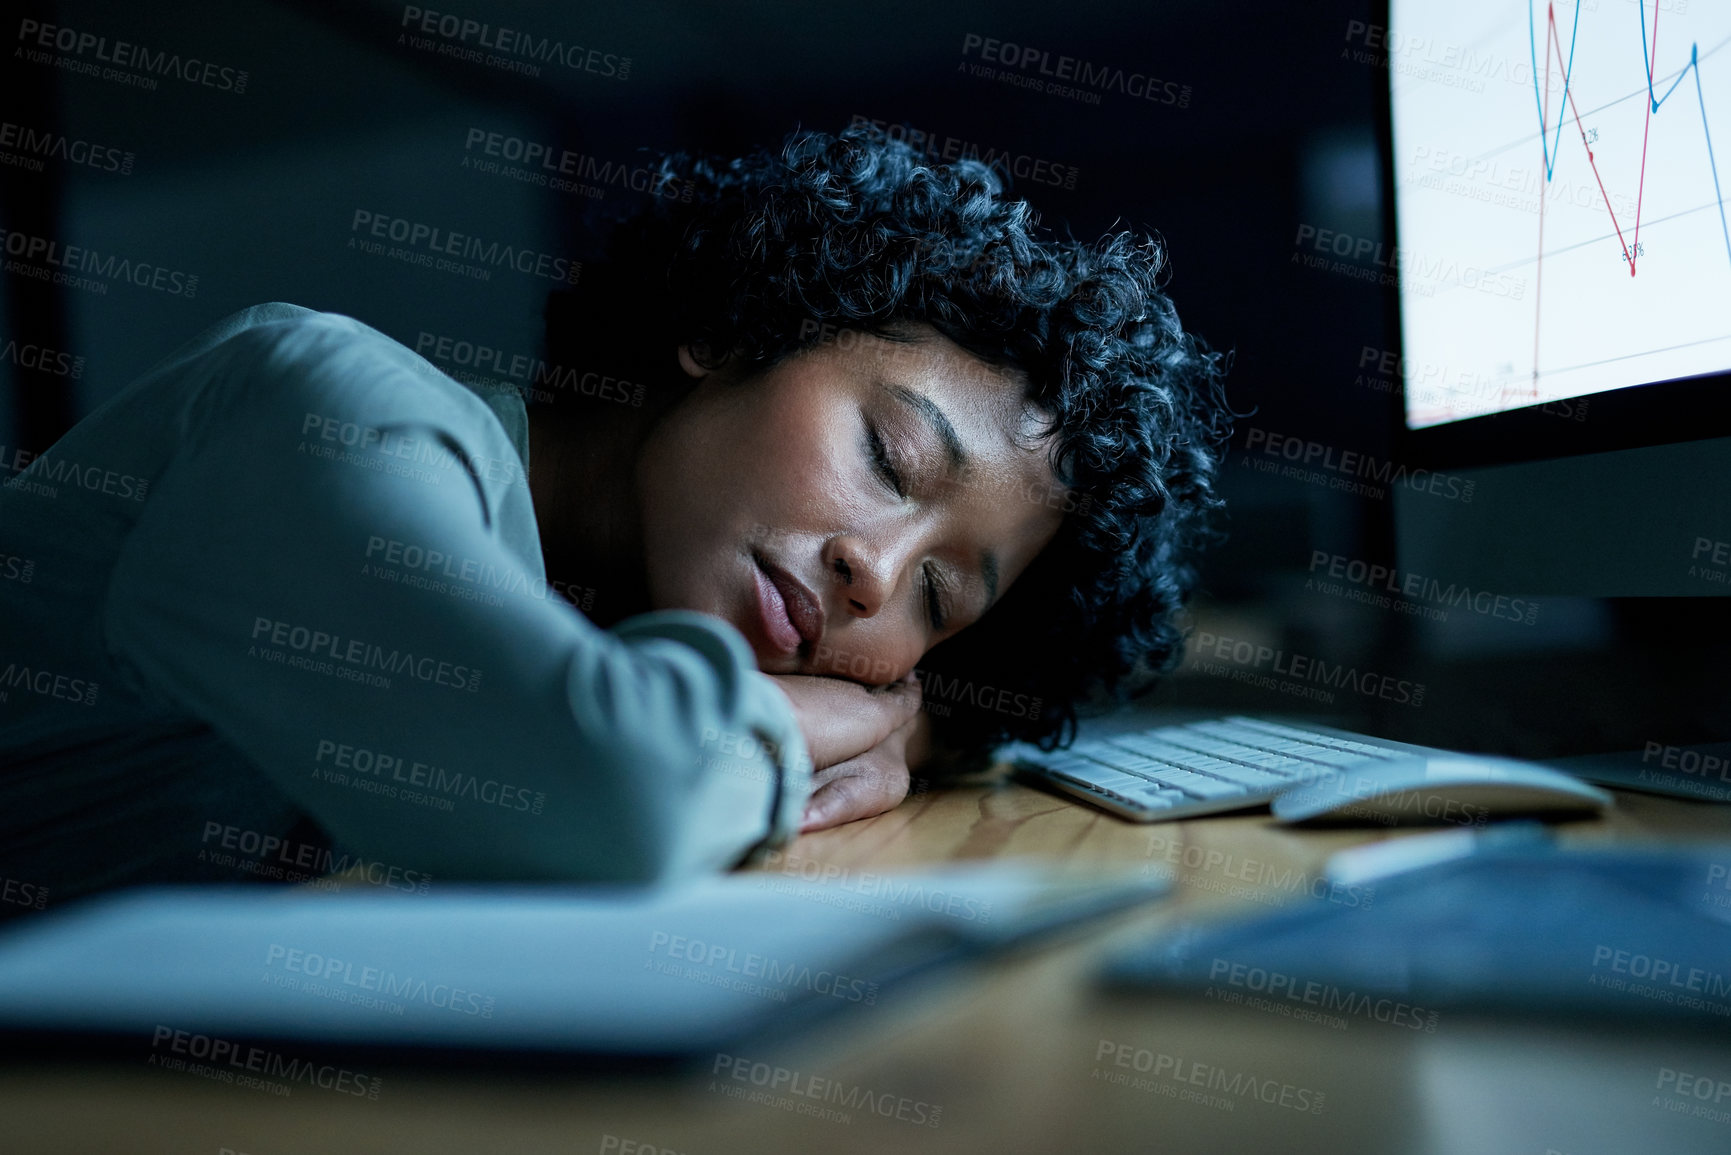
point(341, 608)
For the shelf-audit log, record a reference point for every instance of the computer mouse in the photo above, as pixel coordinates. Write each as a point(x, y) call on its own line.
point(1439, 789)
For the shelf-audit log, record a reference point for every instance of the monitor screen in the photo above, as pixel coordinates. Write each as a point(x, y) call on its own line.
point(1561, 229)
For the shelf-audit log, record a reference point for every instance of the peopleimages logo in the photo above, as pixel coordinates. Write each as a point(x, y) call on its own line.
point(1688, 760)
point(35, 145)
point(944, 149)
point(565, 171)
point(20, 893)
point(271, 637)
point(1275, 984)
point(395, 452)
point(886, 890)
point(505, 48)
point(41, 39)
point(1384, 586)
point(801, 1093)
point(728, 966)
point(1302, 668)
point(1070, 70)
point(47, 683)
point(275, 856)
point(44, 475)
point(1662, 980)
point(437, 242)
point(939, 693)
point(1350, 463)
point(361, 768)
point(478, 580)
point(408, 988)
point(228, 1061)
point(1411, 269)
point(41, 359)
point(473, 361)
point(1168, 1070)
point(47, 259)
point(18, 569)
point(1215, 869)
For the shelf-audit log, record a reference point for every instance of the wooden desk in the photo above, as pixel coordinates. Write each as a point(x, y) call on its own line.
point(1011, 1052)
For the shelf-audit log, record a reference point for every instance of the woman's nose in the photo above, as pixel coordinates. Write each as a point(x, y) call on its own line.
point(859, 574)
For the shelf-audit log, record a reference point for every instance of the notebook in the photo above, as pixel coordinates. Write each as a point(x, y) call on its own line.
point(539, 971)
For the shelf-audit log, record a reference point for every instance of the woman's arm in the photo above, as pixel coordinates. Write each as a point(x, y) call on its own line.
point(344, 608)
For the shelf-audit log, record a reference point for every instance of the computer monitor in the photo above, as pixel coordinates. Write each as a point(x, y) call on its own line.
point(1556, 221)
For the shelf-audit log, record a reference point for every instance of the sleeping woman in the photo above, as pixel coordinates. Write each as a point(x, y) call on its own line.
point(879, 479)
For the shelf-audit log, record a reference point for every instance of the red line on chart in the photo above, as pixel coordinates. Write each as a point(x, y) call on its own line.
point(1553, 41)
point(1649, 60)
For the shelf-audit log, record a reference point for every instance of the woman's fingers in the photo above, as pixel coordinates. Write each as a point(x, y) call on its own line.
point(842, 720)
point(860, 787)
point(855, 789)
point(904, 702)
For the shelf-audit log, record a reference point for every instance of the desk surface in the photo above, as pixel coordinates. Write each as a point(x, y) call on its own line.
point(1007, 1051)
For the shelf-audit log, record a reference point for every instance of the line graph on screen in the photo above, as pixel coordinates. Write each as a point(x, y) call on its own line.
point(1621, 175)
point(1632, 245)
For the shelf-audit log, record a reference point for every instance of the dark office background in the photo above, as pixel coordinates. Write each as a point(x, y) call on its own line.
point(1264, 123)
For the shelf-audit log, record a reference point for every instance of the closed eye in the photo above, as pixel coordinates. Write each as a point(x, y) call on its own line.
point(932, 581)
point(935, 588)
point(880, 459)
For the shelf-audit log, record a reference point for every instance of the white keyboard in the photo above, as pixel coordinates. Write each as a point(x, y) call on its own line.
point(1202, 767)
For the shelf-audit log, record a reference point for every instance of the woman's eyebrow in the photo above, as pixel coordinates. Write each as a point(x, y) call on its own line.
point(939, 422)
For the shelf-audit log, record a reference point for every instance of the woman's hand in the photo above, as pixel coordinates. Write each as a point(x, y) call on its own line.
point(842, 719)
point(862, 741)
point(870, 783)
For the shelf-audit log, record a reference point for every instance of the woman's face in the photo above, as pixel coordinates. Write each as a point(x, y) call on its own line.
point(851, 507)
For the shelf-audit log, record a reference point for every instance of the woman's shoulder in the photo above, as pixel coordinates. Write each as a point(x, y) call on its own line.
point(292, 353)
point(294, 331)
point(238, 325)
point(280, 366)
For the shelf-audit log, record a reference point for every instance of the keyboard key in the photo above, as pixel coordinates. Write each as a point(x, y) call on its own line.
point(1227, 728)
point(1339, 758)
point(1091, 749)
point(1117, 783)
point(1207, 765)
point(1140, 743)
point(1155, 797)
point(1247, 777)
point(1222, 747)
point(1370, 751)
point(1139, 772)
point(1199, 785)
point(1269, 761)
point(1281, 764)
point(1162, 751)
point(1244, 726)
point(1134, 762)
point(1243, 754)
point(1192, 740)
point(1283, 731)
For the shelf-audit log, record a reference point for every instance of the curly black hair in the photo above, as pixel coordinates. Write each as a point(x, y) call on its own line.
point(765, 255)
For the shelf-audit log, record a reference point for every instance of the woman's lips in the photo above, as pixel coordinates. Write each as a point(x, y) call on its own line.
point(791, 615)
point(778, 627)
